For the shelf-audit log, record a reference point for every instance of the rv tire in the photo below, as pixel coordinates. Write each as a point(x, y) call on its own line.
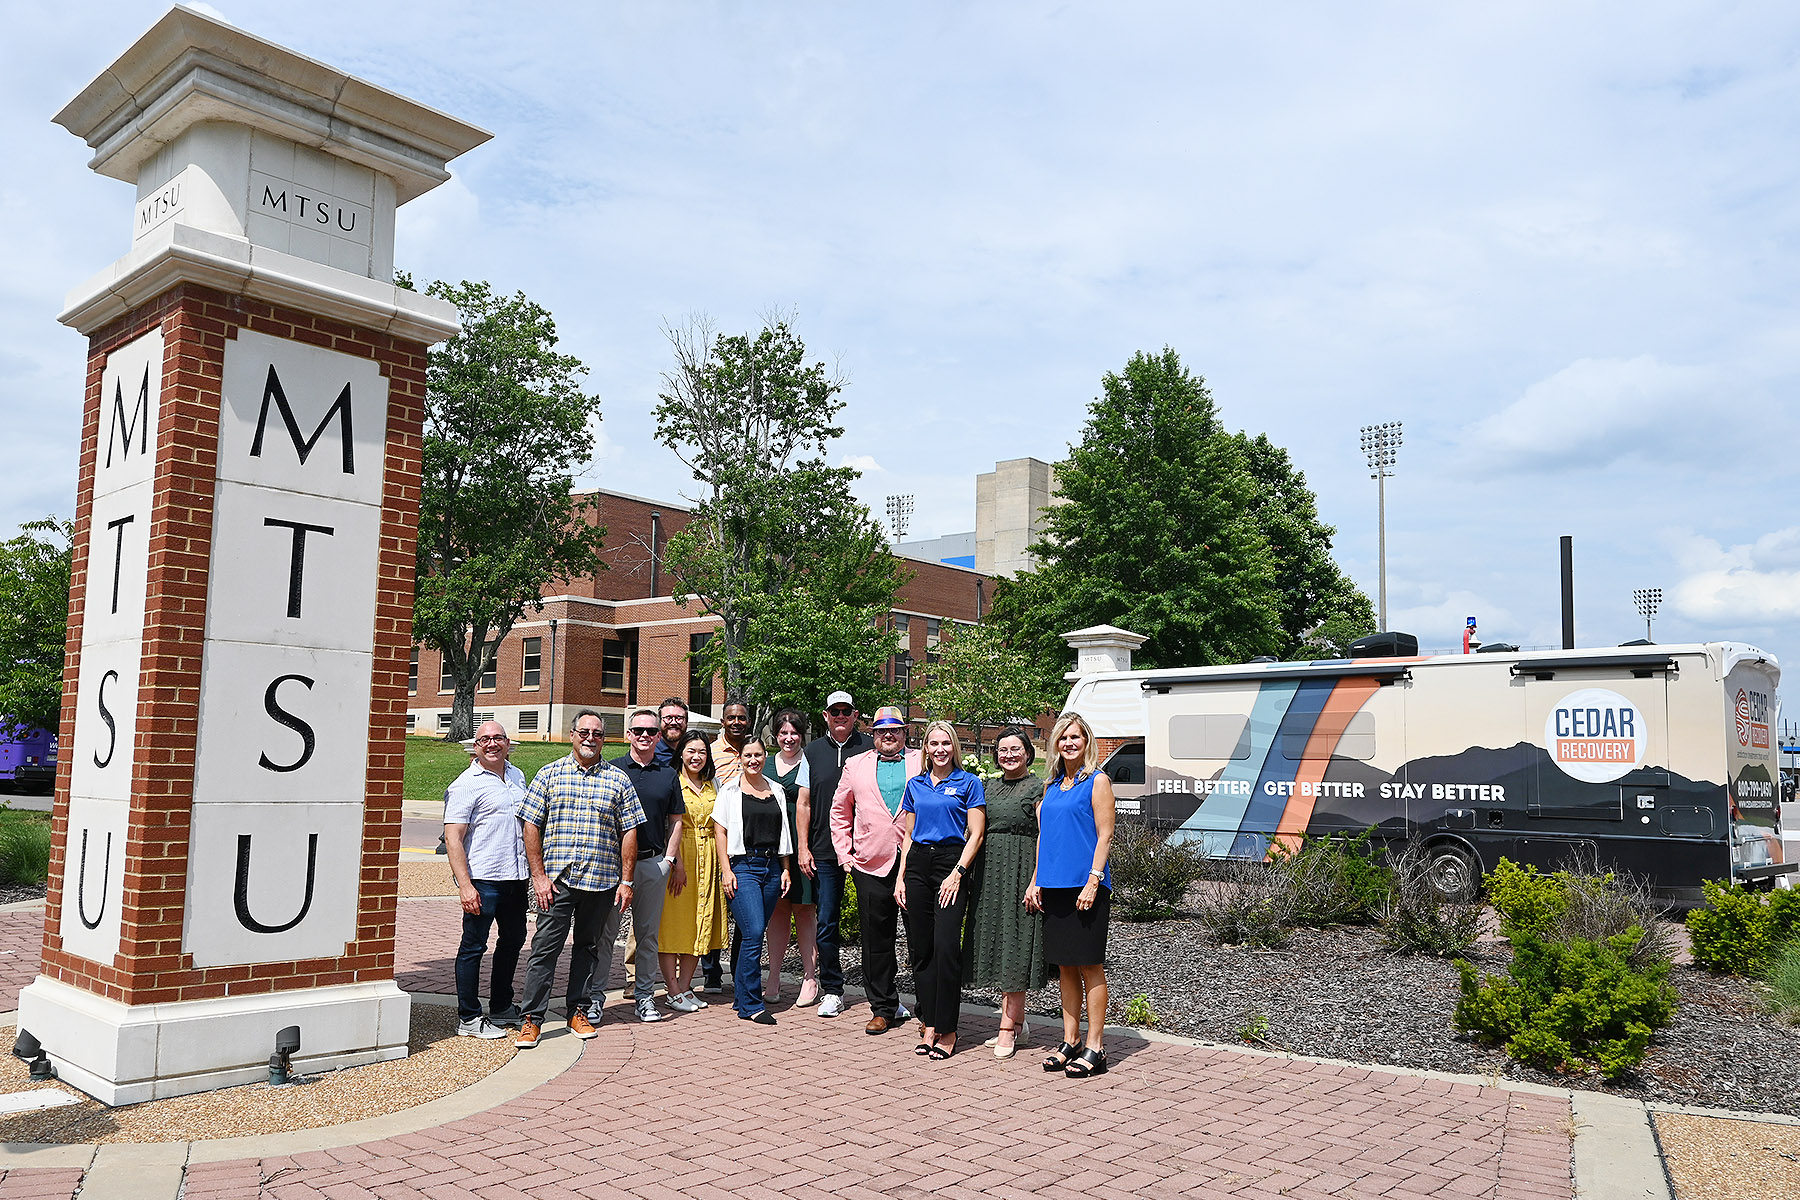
point(1451, 871)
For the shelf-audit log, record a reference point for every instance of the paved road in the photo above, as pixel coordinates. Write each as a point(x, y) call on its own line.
point(707, 1105)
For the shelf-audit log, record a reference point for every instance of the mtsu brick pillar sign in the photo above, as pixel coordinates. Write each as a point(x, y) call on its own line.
point(228, 809)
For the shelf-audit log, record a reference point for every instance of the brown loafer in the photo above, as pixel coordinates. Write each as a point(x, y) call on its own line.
point(528, 1035)
point(581, 1027)
point(878, 1024)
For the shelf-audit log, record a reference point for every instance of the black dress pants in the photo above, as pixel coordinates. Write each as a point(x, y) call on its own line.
point(880, 926)
point(934, 932)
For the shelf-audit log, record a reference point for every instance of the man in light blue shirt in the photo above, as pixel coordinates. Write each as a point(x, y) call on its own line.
point(487, 858)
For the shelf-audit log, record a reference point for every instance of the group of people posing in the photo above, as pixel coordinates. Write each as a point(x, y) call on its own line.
point(997, 883)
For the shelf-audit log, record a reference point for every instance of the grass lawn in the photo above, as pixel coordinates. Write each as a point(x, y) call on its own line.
point(432, 765)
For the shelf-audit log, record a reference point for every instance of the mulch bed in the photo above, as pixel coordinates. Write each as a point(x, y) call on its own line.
point(13, 893)
point(1336, 993)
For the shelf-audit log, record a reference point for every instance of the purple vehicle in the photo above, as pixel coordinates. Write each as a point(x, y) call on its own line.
point(27, 759)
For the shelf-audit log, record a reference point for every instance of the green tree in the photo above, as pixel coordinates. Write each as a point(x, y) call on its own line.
point(34, 614)
point(506, 427)
point(777, 545)
point(1155, 533)
point(1322, 611)
point(980, 681)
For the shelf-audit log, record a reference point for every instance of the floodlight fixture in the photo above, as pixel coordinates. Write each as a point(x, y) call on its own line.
point(1381, 446)
point(287, 1044)
point(1647, 601)
point(899, 514)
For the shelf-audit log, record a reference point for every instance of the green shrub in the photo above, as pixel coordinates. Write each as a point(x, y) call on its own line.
point(1565, 1003)
point(1784, 982)
point(1742, 932)
point(1416, 919)
point(1245, 904)
point(25, 851)
point(1150, 874)
point(1336, 880)
point(1580, 901)
point(1138, 1011)
point(1527, 902)
point(849, 916)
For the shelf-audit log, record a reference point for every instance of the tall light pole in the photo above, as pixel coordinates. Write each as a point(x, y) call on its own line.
point(1647, 600)
point(1381, 446)
point(899, 513)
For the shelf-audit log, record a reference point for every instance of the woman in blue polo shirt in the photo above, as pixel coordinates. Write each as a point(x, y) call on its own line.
point(943, 814)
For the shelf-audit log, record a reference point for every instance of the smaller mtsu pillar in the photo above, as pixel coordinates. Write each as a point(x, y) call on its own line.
point(228, 805)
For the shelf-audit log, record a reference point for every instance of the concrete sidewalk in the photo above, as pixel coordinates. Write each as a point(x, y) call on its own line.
point(707, 1105)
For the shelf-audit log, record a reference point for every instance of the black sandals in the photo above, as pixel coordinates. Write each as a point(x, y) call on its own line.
point(1088, 1063)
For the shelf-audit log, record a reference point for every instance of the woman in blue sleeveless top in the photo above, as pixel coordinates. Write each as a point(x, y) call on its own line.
point(1073, 888)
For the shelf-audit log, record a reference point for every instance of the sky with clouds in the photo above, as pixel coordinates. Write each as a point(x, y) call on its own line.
point(1559, 242)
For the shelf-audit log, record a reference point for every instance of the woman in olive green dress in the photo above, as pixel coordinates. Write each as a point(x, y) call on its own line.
point(1006, 942)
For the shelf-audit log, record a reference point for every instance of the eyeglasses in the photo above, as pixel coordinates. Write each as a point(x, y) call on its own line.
point(645, 730)
point(586, 734)
point(491, 738)
point(676, 719)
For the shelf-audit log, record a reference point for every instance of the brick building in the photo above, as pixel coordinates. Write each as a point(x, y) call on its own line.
point(617, 639)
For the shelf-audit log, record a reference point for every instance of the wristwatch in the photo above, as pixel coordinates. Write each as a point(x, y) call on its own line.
point(961, 870)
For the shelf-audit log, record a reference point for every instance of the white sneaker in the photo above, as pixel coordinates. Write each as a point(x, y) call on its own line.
point(646, 1010)
point(901, 1013)
point(831, 1006)
point(684, 1003)
point(696, 1001)
point(481, 1028)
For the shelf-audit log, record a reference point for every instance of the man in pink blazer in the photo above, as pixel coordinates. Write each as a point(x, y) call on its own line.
point(865, 831)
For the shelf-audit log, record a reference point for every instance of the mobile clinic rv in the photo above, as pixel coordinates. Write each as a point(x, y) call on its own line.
point(1657, 760)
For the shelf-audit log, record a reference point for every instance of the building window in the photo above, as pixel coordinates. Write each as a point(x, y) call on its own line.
point(612, 666)
point(482, 718)
point(490, 674)
point(412, 674)
point(699, 679)
point(903, 670)
point(412, 721)
point(533, 663)
point(443, 722)
point(528, 720)
point(933, 626)
point(446, 676)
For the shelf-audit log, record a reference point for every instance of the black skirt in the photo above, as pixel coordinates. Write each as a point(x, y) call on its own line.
point(1073, 937)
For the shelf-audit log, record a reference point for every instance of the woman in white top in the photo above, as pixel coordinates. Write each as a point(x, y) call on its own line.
point(800, 903)
point(755, 845)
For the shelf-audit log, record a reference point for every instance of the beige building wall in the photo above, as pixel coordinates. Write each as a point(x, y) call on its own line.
point(1009, 504)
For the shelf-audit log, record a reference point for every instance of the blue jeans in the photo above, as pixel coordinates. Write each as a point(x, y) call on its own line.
point(502, 900)
point(831, 902)
point(758, 888)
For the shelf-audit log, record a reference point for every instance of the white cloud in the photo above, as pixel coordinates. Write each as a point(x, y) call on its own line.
point(1596, 411)
point(1437, 621)
point(1748, 584)
point(862, 462)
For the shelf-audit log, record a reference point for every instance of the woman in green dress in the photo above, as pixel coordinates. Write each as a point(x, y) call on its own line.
point(1006, 942)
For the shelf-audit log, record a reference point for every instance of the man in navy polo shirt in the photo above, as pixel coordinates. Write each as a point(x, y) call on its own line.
point(658, 838)
point(487, 859)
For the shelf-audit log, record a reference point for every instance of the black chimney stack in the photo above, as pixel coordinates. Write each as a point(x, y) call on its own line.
point(1568, 591)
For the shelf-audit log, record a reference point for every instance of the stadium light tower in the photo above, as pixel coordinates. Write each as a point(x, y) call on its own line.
point(1381, 446)
point(1648, 600)
point(899, 513)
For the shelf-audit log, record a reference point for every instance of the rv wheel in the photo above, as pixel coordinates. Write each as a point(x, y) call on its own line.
point(1451, 871)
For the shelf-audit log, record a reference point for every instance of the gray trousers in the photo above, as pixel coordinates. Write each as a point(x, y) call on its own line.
point(571, 910)
point(650, 883)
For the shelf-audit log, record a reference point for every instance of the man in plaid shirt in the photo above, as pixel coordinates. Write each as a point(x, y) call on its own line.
point(580, 818)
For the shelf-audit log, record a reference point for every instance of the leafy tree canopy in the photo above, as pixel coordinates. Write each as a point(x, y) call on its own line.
point(795, 568)
point(34, 613)
point(980, 680)
point(506, 428)
point(1207, 543)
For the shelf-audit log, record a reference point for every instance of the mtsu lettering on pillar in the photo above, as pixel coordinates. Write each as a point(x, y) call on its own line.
point(112, 643)
point(284, 683)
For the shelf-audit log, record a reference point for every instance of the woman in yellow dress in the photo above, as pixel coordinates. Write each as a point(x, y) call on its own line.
point(693, 918)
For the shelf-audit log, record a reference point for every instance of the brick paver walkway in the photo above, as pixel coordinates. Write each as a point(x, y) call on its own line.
point(21, 941)
point(707, 1105)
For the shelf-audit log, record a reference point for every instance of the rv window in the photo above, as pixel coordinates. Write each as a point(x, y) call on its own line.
point(1357, 741)
point(1209, 735)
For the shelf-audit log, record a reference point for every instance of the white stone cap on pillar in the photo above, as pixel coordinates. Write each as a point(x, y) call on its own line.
point(260, 172)
point(1103, 648)
point(190, 68)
